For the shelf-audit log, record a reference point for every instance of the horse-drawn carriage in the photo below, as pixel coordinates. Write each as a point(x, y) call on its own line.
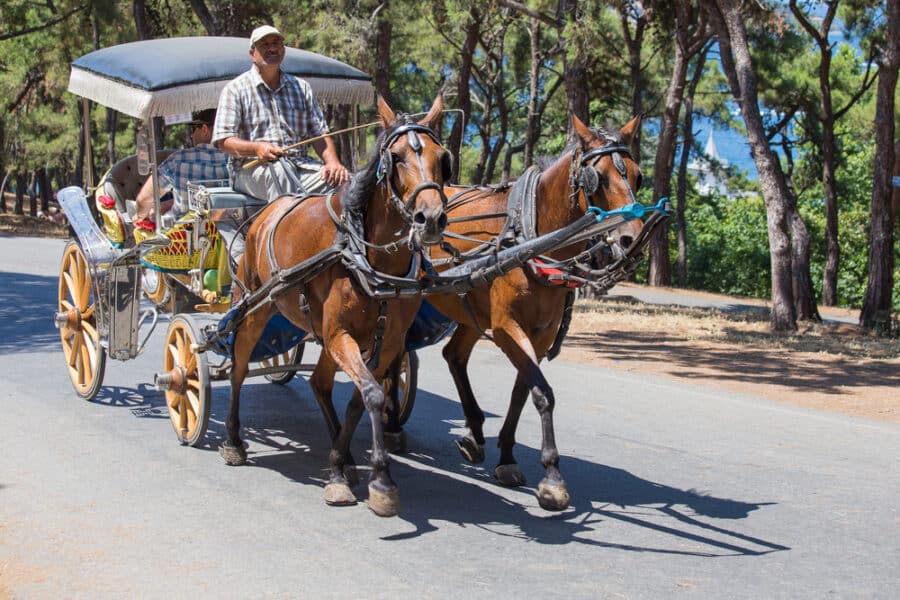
point(353, 282)
point(183, 270)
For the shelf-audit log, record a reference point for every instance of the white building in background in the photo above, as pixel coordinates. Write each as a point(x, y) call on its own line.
point(702, 167)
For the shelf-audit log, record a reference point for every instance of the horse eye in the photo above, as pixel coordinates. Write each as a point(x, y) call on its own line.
point(640, 181)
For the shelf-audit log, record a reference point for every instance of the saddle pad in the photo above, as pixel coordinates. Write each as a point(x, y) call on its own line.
point(279, 336)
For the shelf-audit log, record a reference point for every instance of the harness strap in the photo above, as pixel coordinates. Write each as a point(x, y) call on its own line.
point(464, 299)
point(520, 207)
point(270, 242)
point(563, 327)
point(380, 323)
point(307, 312)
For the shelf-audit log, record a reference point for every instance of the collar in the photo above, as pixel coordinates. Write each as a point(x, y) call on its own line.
point(257, 79)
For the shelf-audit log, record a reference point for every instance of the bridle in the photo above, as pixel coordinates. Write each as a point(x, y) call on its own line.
point(385, 173)
point(583, 171)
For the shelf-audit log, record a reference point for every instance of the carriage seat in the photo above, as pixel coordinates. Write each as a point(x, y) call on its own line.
point(123, 182)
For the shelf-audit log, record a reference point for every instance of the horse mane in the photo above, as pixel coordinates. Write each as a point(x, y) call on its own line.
point(362, 184)
point(610, 136)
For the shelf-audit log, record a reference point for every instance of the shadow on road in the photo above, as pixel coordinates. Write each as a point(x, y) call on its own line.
point(661, 354)
point(287, 434)
point(27, 304)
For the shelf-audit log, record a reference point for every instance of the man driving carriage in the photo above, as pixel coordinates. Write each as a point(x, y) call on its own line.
point(265, 110)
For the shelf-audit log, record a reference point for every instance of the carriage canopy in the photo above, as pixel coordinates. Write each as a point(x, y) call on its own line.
point(174, 76)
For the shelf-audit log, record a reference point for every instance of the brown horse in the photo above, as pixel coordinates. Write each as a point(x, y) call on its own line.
point(522, 311)
point(396, 206)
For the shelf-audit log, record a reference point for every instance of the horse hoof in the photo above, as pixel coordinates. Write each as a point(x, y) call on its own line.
point(351, 475)
point(552, 497)
point(384, 504)
point(395, 442)
point(471, 451)
point(339, 494)
point(509, 475)
point(234, 456)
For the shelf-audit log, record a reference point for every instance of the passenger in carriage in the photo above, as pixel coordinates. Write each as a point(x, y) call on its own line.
point(265, 110)
point(201, 162)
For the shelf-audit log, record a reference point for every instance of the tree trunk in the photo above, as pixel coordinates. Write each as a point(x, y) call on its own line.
point(463, 98)
point(139, 9)
point(532, 125)
point(895, 194)
point(876, 309)
point(660, 271)
point(575, 70)
point(735, 55)
point(383, 31)
point(828, 148)
point(206, 18)
point(635, 44)
point(44, 183)
point(686, 145)
point(32, 194)
point(804, 294)
point(21, 184)
point(111, 120)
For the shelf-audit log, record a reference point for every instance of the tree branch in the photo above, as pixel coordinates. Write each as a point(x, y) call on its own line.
point(14, 34)
point(519, 7)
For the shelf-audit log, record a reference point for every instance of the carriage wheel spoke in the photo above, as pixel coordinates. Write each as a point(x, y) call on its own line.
point(88, 313)
point(190, 366)
point(182, 412)
point(91, 349)
point(84, 365)
point(75, 349)
point(193, 401)
point(69, 287)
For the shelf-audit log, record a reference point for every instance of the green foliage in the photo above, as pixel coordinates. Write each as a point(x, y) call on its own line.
point(729, 250)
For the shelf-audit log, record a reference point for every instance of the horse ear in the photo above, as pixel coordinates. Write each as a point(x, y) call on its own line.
point(583, 131)
point(434, 113)
point(385, 112)
point(630, 129)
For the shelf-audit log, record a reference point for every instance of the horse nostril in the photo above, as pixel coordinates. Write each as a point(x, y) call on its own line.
point(419, 219)
point(625, 241)
point(442, 222)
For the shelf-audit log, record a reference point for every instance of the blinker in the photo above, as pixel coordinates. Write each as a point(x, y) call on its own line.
point(589, 180)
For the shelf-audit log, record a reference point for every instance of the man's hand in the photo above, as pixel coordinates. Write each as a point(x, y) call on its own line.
point(334, 173)
point(267, 152)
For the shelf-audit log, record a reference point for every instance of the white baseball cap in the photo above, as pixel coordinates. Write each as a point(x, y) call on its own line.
point(261, 32)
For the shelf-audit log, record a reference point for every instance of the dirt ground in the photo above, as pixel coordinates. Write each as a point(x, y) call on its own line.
point(31, 226)
point(834, 368)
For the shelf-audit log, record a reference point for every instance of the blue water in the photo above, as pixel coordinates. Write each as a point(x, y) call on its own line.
point(732, 145)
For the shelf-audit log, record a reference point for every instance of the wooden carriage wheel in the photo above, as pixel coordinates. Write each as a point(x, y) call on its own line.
point(185, 379)
point(294, 356)
point(407, 381)
point(77, 320)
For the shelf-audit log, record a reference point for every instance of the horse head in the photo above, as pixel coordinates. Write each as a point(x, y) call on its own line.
point(605, 171)
point(413, 167)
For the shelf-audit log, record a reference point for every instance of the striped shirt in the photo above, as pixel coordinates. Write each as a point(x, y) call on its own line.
point(200, 163)
point(250, 110)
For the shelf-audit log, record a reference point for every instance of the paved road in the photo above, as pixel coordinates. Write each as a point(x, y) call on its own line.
point(678, 490)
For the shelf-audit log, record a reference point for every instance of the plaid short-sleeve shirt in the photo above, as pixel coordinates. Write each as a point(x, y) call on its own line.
point(200, 163)
point(250, 110)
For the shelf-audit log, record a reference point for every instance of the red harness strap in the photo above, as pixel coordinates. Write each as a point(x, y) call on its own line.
point(549, 275)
